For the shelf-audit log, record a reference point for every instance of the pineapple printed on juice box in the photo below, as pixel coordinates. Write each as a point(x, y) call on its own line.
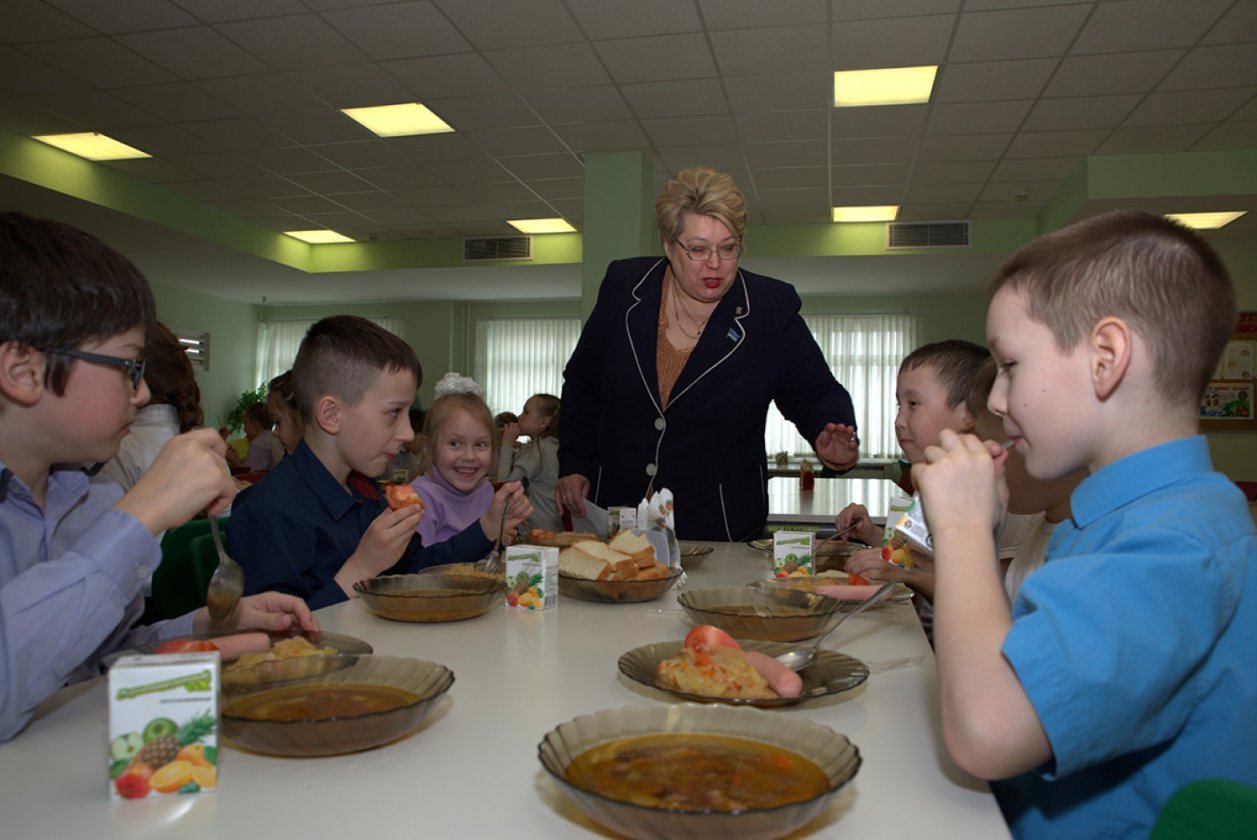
point(792, 554)
point(532, 577)
point(163, 725)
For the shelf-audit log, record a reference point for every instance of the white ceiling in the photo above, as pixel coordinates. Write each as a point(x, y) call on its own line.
point(237, 100)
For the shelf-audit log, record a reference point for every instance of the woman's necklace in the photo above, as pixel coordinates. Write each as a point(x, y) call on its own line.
point(678, 306)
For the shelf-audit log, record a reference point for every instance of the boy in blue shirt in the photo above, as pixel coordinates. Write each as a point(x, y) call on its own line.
point(318, 523)
point(1125, 668)
point(73, 554)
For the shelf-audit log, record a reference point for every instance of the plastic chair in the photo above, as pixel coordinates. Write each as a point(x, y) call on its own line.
point(1208, 809)
point(181, 580)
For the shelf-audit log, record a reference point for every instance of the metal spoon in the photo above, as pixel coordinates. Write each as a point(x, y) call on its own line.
point(495, 563)
point(800, 658)
point(227, 584)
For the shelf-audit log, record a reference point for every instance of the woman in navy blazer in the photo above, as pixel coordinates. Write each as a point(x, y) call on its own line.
point(670, 383)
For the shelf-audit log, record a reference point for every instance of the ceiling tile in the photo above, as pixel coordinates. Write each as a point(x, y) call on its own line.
point(579, 104)
point(542, 166)
point(99, 61)
point(552, 188)
point(194, 53)
point(398, 30)
point(690, 131)
point(1039, 144)
point(964, 147)
point(93, 109)
point(865, 196)
point(445, 76)
point(977, 117)
point(607, 18)
point(687, 97)
point(871, 174)
point(312, 128)
point(1247, 112)
point(23, 117)
point(220, 11)
point(246, 207)
point(261, 94)
point(1035, 169)
point(1080, 112)
point(400, 176)
point(547, 67)
point(769, 126)
point(492, 25)
point(22, 74)
point(531, 140)
point(796, 215)
point(239, 133)
point(864, 9)
point(1128, 25)
point(1093, 75)
point(1012, 191)
point(365, 202)
point(1230, 135)
point(114, 17)
point(1204, 66)
point(502, 191)
point(794, 177)
point(797, 90)
point(177, 102)
point(1196, 106)
point(941, 193)
point(362, 153)
point(474, 113)
point(769, 50)
point(1166, 138)
point(572, 209)
point(658, 58)
point(329, 183)
point(436, 147)
point(352, 86)
point(1006, 210)
point(308, 41)
point(607, 136)
point(789, 153)
point(164, 140)
point(727, 157)
point(813, 196)
point(216, 165)
point(884, 150)
point(267, 186)
point(984, 81)
point(745, 14)
point(426, 196)
point(339, 220)
point(289, 160)
point(953, 172)
point(897, 42)
point(1017, 33)
point(34, 20)
point(202, 190)
point(304, 205)
point(1237, 25)
point(154, 170)
point(881, 121)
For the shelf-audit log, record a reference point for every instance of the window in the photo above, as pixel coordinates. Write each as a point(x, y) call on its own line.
point(864, 353)
point(278, 342)
point(516, 358)
point(197, 346)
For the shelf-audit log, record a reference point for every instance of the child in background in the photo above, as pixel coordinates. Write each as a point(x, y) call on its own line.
point(537, 462)
point(318, 522)
point(173, 408)
point(73, 555)
point(461, 449)
point(1125, 668)
point(281, 407)
point(265, 450)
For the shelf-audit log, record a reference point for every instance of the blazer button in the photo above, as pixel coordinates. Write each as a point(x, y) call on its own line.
point(651, 469)
point(660, 423)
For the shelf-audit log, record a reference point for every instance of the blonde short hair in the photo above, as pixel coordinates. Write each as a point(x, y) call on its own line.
point(703, 191)
point(1158, 276)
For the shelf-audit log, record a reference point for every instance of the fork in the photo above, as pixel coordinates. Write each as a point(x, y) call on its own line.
point(495, 562)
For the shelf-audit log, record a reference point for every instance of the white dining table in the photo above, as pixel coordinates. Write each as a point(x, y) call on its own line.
point(789, 504)
point(472, 769)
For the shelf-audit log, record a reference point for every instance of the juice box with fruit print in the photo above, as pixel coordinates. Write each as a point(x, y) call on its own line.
point(532, 577)
point(163, 725)
point(792, 554)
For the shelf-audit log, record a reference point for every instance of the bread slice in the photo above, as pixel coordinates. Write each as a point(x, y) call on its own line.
point(600, 550)
point(626, 569)
point(576, 563)
point(628, 542)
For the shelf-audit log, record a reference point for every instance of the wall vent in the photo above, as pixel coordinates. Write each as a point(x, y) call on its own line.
point(498, 248)
point(927, 234)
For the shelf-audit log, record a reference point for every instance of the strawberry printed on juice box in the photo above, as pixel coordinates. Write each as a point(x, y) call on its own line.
point(163, 725)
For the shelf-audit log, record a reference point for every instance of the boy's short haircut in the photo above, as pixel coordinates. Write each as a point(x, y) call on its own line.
point(1158, 276)
point(955, 361)
point(258, 413)
point(980, 388)
point(61, 288)
point(341, 356)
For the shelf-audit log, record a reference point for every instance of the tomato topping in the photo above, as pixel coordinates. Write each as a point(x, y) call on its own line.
point(401, 495)
point(186, 646)
point(856, 580)
point(705, 637)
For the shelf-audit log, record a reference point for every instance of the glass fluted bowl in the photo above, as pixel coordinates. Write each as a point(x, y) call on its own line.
point(832, 752)
point(617, 591)
point(429, 597)
point(745, 613)
point(319, 735)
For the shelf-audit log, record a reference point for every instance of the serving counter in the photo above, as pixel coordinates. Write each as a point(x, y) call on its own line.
point(472, 769)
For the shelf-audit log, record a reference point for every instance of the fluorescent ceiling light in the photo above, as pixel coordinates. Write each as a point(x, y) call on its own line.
point(318, 237)
point(889, 86)
point(399, 120)
point(885, 213)
point(1206, 221)
point(92, 145)
point(541, 225)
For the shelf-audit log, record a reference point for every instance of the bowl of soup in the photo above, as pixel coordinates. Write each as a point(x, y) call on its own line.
point(365, 702)
point(746, 613)
point(430, 597)
point(698, 770)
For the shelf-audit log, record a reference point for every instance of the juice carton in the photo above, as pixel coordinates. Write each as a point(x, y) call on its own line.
point(792, 554)
point(911, 524)
point(621, 519)
point(896, 547)
point(532, 577)
point(163, 725)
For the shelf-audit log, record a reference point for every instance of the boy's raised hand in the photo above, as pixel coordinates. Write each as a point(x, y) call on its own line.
point(381, 546)
point(962, 483)
point(838, 446)
point(188, 476)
